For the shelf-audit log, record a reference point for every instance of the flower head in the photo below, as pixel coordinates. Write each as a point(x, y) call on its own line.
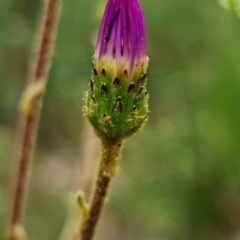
point(117, 99)
point(122, 36)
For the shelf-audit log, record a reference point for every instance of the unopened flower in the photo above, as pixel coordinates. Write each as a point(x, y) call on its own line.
point(121, 41)
point(117, 101)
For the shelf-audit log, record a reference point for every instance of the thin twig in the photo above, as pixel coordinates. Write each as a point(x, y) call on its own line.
point(30, 110)
point(109, 161)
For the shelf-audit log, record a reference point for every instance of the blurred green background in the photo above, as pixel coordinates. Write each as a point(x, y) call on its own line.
point(180, 177)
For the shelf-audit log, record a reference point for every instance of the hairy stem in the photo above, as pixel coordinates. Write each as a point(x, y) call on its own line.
point(108, 165)
point(30, 110)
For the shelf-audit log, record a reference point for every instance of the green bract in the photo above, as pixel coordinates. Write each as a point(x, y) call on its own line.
point(115, 106)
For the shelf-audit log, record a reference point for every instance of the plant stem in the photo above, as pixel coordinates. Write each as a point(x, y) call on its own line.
point(108, 165)
point(30, 109)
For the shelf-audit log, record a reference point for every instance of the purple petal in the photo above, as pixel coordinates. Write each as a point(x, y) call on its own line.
point(122, 33)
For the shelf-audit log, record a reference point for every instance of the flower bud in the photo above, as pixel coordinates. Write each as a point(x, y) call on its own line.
point(117, 100)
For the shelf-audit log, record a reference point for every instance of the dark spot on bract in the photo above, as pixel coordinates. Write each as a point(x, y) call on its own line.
point(131, 88)
point(103, 90)
point(93, 99)
point(116, 81)
point(145, 117)
point(91, 84)
point(142, 78)
point(140, 91)
point(125, 72)
point(118, 105)
point(103, 72)
point(94, 70)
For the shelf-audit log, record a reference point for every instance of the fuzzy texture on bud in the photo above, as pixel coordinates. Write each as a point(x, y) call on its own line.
point(117, 100)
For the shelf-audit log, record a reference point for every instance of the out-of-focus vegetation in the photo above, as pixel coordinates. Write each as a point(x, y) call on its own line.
point(233, 5)
point(180, 177)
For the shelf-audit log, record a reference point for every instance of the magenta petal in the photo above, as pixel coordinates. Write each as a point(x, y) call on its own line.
point(122, 32)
